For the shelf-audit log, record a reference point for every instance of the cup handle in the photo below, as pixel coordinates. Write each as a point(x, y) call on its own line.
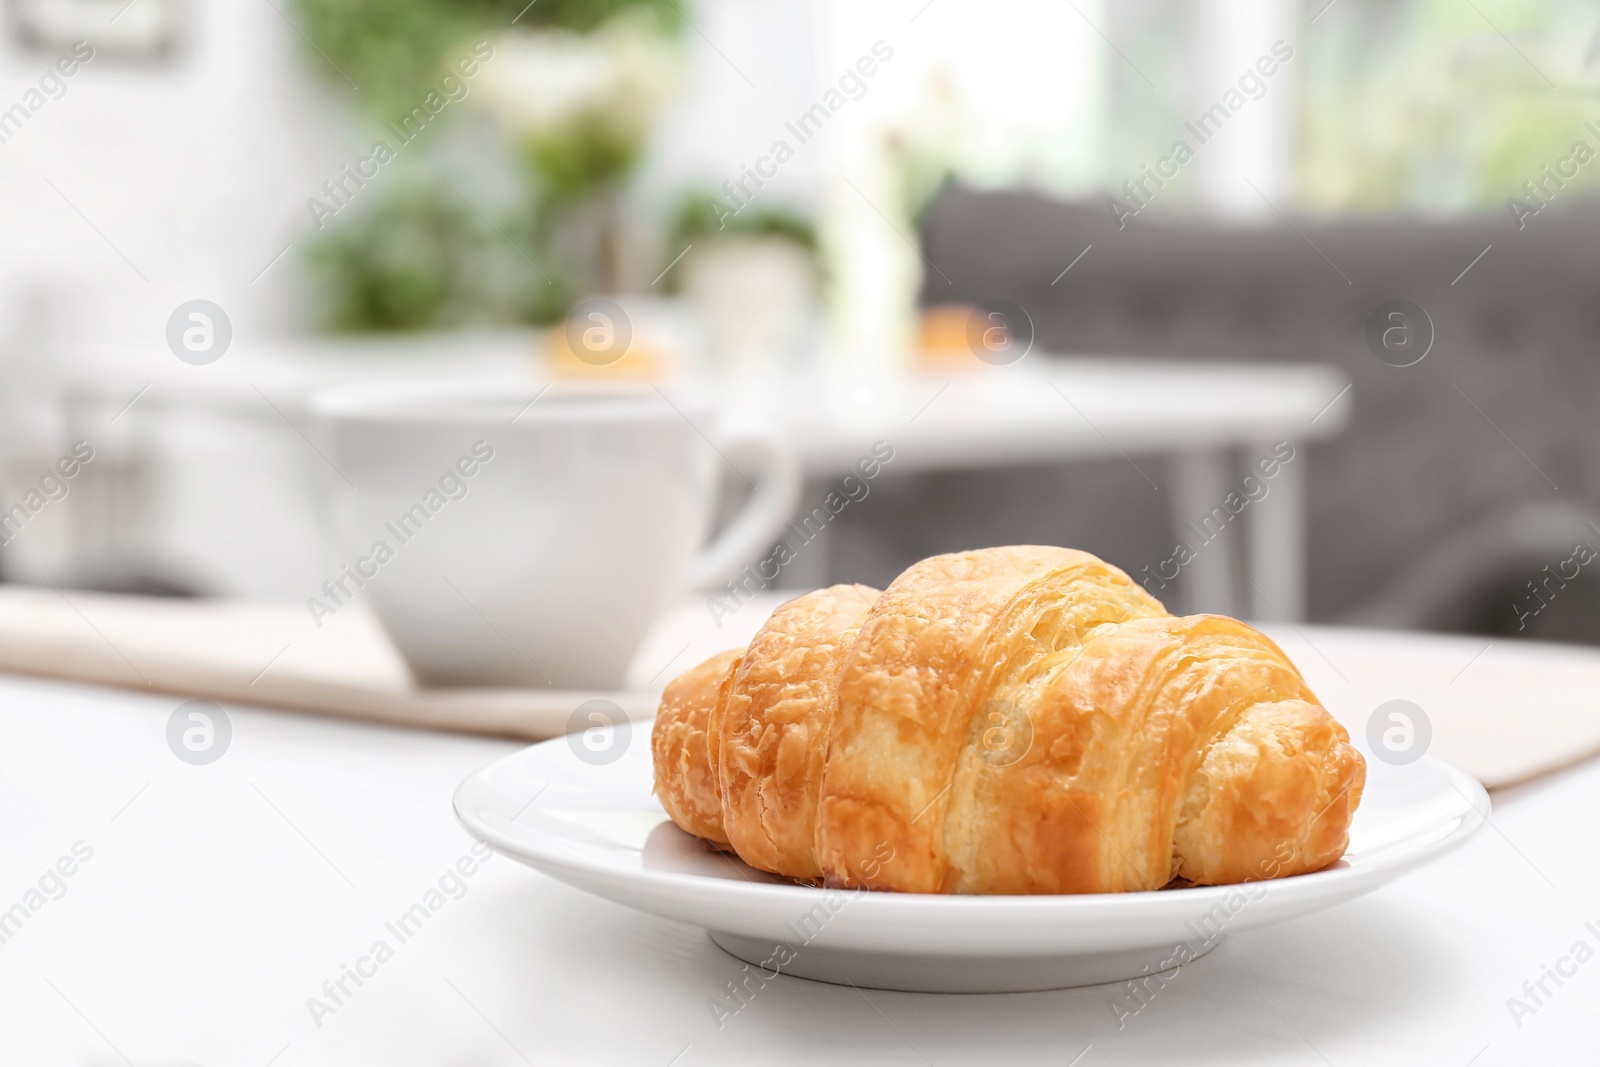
point(777, 475)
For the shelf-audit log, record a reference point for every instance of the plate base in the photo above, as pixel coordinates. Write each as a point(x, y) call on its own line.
point(917, 973)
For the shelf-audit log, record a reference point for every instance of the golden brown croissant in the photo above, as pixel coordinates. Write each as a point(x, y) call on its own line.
point(1010, 720)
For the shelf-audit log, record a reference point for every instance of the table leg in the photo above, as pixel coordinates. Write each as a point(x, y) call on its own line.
point(1277, 563)
point(1200, 484)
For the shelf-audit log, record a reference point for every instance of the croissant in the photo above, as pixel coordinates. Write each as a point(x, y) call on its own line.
point(1010, 720)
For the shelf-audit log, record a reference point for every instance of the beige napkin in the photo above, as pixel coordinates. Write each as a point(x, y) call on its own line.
point(272, 654)
point(1504, 712)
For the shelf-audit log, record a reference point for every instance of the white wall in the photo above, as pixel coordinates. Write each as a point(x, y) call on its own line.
point(196, 169)
point(724, 121)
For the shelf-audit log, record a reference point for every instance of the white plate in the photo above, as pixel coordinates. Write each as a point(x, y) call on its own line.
point(597, 826)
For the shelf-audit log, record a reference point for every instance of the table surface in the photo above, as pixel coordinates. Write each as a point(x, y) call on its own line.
point(208, 904)
point(1045, 407)
point(1048, 409)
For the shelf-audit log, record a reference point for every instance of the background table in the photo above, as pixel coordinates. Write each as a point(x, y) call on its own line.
point(219, 898)
point(1208, 420)
point(1200, 421)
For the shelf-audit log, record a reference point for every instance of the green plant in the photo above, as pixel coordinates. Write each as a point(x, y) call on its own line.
point(414, 256)
point(392, 49)
point(416, 260)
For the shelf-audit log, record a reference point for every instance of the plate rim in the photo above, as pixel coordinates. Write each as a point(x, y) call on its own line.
point(723, 890)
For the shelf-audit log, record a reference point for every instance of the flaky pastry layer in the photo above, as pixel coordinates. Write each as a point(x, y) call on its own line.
point(1011, 720)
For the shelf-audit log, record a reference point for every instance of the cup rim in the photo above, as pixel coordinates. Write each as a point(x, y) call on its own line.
point(436, 402)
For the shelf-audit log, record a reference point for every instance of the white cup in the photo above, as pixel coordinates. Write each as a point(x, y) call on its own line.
point(509, 543)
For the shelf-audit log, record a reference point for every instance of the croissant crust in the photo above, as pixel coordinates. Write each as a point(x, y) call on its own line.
point(1010, 720)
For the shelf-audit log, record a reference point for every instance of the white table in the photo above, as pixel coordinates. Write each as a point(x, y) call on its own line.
point(1211, 421)
point(219, 898)
point(1208, 420)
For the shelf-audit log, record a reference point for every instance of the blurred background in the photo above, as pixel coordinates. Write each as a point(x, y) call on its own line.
point(1085, 264)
